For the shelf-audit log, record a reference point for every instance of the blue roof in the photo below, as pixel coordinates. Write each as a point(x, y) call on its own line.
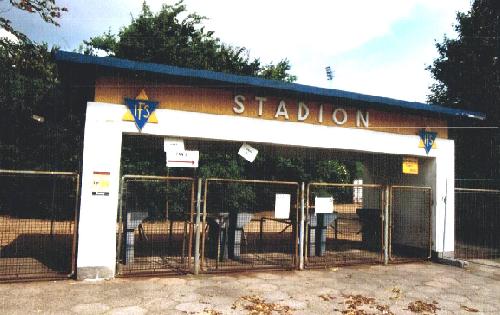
point(238, 80)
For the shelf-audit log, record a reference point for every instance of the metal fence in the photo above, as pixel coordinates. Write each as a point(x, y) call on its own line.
point(477, 223)
point(155, 225)
point(249, 224)
point(340, 227)
point(38, 215)
point(410, 225)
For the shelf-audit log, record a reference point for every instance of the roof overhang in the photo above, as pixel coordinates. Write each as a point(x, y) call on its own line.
point(256, 82)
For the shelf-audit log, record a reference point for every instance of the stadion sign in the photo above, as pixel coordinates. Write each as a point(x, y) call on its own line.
point(339, 116)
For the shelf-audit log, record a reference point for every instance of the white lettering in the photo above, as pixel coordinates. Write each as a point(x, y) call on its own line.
point(239, 107)
point(362, 119)
point(335, 118)
point(281, 111)
point(303, 112)
point(320, 113)
point(261, 101)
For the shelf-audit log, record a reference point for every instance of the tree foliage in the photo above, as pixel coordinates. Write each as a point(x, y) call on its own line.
point(145, 155)
point(175, 37)
point(467, 74)
point(46, 9)
point(38, 132)
point(468, 67)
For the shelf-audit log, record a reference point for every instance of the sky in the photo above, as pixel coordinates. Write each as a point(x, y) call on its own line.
point(374, 47)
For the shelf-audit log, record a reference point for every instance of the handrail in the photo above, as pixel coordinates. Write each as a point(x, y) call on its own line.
point(33, 172)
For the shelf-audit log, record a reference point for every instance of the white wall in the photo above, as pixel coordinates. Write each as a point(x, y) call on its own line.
point(102, 149)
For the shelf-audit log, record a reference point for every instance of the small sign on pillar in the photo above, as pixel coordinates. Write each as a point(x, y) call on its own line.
point(100, 183)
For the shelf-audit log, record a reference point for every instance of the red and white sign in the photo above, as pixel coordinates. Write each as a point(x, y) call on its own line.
point(183, 158)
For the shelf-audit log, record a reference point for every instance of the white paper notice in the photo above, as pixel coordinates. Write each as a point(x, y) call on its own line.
point(282, 206)
point(323, 205)
point(248, 153)
point(173, 144)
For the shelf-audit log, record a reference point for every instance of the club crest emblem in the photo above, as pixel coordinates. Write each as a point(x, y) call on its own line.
point(427, 139)
point(140, 110)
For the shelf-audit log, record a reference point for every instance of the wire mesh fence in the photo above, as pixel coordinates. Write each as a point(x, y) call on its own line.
point(343, 224)
point(410, 225)
point(37, 224)
point(477, 223)
point(249, 224)
point(155, 225)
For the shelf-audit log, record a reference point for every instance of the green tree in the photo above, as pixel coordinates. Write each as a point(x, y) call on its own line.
point(46, 9)
point(175, 37)
point(467, 74)
point(37, 131)
point(278, 71)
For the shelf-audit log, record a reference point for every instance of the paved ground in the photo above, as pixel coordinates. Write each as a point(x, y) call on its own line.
point(397, 289)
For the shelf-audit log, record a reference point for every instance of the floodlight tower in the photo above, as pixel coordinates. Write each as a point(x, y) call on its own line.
point(330, 74)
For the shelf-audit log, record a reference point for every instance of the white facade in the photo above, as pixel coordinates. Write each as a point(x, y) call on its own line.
point(102, 149)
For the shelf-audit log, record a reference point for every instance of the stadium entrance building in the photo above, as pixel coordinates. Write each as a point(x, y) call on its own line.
point(399, 207)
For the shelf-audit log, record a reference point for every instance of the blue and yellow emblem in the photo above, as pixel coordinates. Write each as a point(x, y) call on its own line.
point(427, 139)
point(141, 110)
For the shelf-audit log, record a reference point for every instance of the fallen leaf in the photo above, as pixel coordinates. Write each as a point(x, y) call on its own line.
point(469, 309)
point(423, 307)
point(258, 306)
point(326, 297)
point(396, 293)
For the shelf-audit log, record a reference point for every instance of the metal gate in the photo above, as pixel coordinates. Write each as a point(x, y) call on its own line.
point(343, 224)
point(155, 225)
point(38, 215)
point(410, 225)
point(249, 224)
point(477, 223)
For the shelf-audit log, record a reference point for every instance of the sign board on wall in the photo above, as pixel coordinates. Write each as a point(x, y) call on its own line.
point(410, 165)
point(323, 205)
point(282, 206)
point(183, 158)
point(100, 184)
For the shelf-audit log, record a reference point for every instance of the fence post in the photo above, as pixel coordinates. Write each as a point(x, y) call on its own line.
point(301, 230)
point(386, 224)
point(197, 230)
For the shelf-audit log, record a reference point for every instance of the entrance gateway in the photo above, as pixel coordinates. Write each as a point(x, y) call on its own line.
point(391, 216)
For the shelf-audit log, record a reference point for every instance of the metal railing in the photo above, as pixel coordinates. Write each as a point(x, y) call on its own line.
point(349, 231)
point(155, 225)
point(477, 223)
point(38, 224)
point(242, 227)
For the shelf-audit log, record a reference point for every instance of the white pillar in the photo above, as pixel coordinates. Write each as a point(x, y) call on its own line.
point(444, 200)
point(97, 225)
